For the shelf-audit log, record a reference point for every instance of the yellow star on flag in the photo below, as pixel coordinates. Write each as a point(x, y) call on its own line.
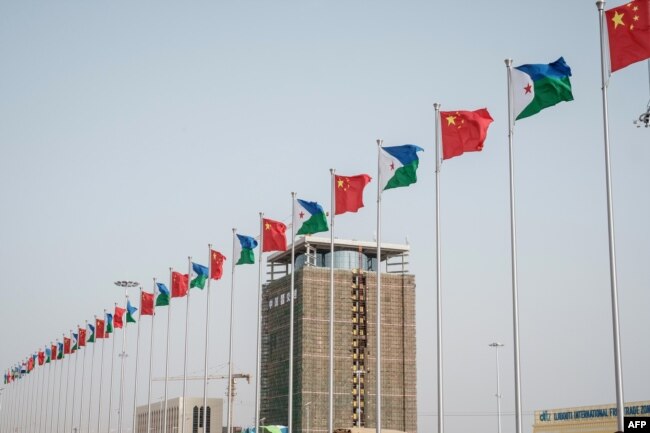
point(617, 19)
point(451, 120)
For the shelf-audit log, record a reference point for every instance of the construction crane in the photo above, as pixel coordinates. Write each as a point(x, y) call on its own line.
point(230, 392)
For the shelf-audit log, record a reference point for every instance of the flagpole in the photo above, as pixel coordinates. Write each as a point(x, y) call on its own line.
point(28, 396)
point(74, 382)
point(20, 397)
point(291, 314)
point(110, 392)
point(122, 355)
point(378, 308)
point(137, 351)
point(83, 372)
point(151, 358)
point(31, 395)
point(30, 390)
point(232, 295)
point(31, 405)
point(26, 379)
point(513, 249)
point(92, 370)
point(58, 403)
point(258, 367)
point(618, 368)
point(441, 418)
point(19, 418)
point(330, 415)
point(187, 322)
point(101, 376)
point(169, 318)
point(207, 341)
point(37, 397)
point(40, 403)
point(67, 384)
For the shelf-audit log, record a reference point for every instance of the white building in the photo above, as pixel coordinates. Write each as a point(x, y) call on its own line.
point(193, 416)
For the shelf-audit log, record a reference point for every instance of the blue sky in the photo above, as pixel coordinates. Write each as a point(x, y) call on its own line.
point(132, 134)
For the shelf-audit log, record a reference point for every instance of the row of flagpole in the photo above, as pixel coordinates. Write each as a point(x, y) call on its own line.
point(26, 395)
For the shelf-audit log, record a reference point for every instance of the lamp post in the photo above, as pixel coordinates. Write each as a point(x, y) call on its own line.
point(126, 285)
point(498, 394)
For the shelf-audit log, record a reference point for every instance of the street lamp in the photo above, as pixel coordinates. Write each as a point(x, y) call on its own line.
point(498, 394)
point(126, 285)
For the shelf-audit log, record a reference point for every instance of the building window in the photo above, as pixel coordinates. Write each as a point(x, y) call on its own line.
point(195, 420)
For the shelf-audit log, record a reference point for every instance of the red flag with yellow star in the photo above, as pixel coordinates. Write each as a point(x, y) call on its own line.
point(274, 238)
point(628, 28)
point(349, 192)
point(463, 131)
point(216, 264)
point(146, 304)
point(179, 284)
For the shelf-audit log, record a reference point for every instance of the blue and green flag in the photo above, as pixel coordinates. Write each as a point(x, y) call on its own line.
point(539, 86)
point(309, 218)
point(244, 250)
point(130, 311)
point(199, 276)
point(398, 166)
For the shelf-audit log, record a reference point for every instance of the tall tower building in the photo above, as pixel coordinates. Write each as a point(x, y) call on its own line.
point(355, 361)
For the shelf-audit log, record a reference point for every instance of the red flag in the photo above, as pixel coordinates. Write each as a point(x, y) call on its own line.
point(146, 304)
point(463, 131)
point(216, 264)
point(41, 358)
point(118, 317)
point(99, 328)
point(82, 337)
point(179, 284)
point(275, 238)
point(30, 364)
point(66, 346)
point(628, 28)
point(53, 348)
point(349, 192)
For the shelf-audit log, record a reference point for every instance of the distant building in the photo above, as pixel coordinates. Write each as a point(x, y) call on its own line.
point(585, 419)
point(193, 416)
point(355, 264)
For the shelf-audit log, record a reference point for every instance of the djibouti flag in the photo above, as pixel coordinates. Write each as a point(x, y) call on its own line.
point(539, 86)
point(199, 276)
point(309, 218)
point(398, 165)
point(244, 250)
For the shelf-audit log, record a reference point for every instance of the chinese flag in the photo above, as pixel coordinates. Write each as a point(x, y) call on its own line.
point(41, 358)
point(146, 304)
point(463, 131)
point(99, 332)
point(66, 346)
point(53, 349)
point(628, 28)
point(349, 192)
point(274, 235)
point(216, 264)
point(118, 317)
point(179, 284)
point(82, 337)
